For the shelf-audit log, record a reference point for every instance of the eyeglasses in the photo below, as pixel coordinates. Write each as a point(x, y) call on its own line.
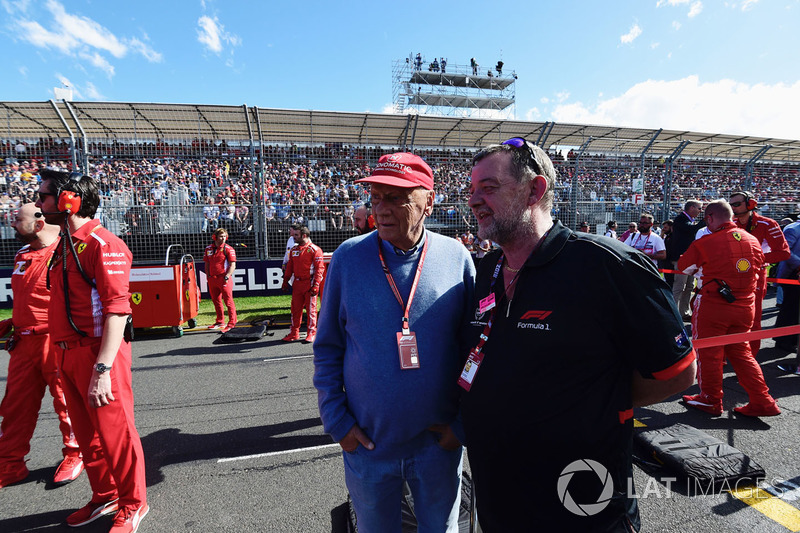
point(43, 195)
point(519, 142)
point(736, 204)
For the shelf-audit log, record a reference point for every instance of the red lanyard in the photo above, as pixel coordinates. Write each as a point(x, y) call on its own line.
point(393, 285)
point(488, 327)
point(644, 247)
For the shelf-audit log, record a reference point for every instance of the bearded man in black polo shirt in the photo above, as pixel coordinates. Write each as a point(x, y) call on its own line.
point(550, 387)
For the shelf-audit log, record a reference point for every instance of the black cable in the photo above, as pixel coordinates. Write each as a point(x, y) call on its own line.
point(66, 279)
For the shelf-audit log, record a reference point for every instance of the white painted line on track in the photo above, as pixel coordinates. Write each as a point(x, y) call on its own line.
point(288, 358)
point(272, 454)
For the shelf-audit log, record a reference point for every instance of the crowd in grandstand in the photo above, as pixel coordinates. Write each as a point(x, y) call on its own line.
point(304, 182)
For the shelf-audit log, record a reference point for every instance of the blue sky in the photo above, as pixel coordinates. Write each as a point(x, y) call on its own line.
point(702, 65)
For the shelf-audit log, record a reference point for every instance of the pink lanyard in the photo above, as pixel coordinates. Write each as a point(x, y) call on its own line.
point(393, 285)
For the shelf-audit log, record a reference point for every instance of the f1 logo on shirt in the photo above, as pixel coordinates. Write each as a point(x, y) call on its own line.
point(538, 325)
point(540, 315)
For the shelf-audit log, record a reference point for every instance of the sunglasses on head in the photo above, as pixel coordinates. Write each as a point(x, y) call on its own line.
point(519, 142)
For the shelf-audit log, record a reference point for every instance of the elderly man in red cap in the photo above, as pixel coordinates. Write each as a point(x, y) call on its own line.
point(387, 352)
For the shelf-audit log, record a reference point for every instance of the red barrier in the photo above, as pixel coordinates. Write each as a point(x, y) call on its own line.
point(723, 340)
point(780, 281)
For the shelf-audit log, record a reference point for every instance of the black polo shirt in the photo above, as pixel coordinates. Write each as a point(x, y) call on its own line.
point(554, 387)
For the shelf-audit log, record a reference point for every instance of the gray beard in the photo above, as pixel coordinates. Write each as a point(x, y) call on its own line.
point(516, 226)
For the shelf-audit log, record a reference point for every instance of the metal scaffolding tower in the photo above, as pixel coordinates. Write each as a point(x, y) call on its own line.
point(453, 90)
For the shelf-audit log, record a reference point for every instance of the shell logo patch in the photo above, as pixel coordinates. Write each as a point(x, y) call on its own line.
point(81, 247)
point(136, 298)
point(737, 235)
point(743, 265)
point(22, 266)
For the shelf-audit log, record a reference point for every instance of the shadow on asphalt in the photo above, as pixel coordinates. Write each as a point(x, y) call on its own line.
point(170, 446)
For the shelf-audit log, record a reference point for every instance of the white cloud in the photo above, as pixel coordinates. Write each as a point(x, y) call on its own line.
point(212, 34)
point(148, 53)
point(695, 10)
point(93, 93)
point(77, 36)
point(747, 5)
point(85, 30)
point(100, 62)
point(676, 25)
point(723, 106)
point(13, 6)
point(23, 71)
point(653, 46)
point(632, 34)
point(673, 3)
point(38, 36)
point(533, 114)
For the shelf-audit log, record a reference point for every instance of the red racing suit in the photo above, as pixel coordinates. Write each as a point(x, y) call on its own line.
point(32, 367)
point(775, 248)
point(217, 261)
point(732, 256)
point(307, 265)
point(112, 450)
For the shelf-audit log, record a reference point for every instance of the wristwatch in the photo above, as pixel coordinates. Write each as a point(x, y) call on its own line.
point(226, 278)
point(100, 368)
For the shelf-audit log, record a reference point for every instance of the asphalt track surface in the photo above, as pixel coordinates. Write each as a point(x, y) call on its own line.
point(234, 443)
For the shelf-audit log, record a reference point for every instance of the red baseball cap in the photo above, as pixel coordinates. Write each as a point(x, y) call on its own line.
point(401, 170)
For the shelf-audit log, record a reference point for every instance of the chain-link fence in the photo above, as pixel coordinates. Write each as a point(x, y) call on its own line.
point(170, 174)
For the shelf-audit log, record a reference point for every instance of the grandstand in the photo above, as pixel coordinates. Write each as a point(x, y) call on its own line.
point(172, 172)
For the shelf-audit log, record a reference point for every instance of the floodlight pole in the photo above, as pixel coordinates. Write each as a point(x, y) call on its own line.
point(668, 178)
point(750, 167)
point(72, 150)
point(573, 194)
point(644, 152)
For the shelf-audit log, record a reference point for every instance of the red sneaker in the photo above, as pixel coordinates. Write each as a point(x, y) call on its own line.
point(11, 473)
point(69, 470)
point(215, 326)
point(703, 403)
point(91, 512)
point(128, 519)
point(309, 339)
point(758, 410)
point(291, 337)
point(227, 328)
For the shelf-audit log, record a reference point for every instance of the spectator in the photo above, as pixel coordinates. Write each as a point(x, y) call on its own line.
point(210, 216)
point(306, 266)
point(729, 262)
point(789, 313)
point(646, 241)
point(220, 260)
point(32, 366)
point(431, 280)
point(528, 296)
point(683, 234)
point(630, 231)
point(611, 230)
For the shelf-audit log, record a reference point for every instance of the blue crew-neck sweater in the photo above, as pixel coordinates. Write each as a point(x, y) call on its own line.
point(357, 366)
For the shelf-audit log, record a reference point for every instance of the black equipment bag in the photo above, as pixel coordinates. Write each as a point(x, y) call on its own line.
point(244, 333)
point(704, 462)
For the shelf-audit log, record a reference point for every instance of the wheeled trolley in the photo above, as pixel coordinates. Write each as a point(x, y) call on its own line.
point(165, 296)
